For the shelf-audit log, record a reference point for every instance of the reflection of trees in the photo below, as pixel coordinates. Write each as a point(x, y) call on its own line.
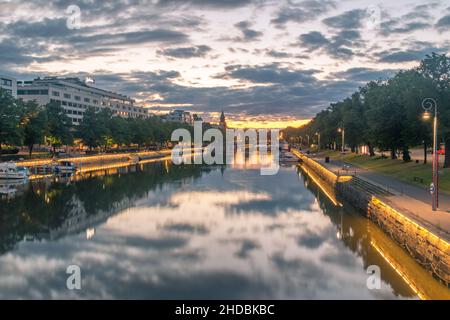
point(354, 232)
point(45, 206)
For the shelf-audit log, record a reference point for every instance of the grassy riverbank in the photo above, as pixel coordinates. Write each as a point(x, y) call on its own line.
point(412, 172)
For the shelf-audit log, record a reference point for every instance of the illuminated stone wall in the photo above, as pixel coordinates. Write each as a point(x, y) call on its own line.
point(324, 173)
point(429, 250)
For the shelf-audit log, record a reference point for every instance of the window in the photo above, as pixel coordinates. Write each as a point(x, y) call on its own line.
point(32, 92)
point(64, 103)
point(95, 101)
point(55, 93)
point(78, 98)
point(67, 96)
point(87, 100)
point(6, 82)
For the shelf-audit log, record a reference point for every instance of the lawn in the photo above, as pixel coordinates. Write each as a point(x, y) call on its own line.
point(411, 172)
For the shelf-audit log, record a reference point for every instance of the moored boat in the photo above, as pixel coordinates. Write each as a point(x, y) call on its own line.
point(10, 171)
point(65, 166)
point(288, 157)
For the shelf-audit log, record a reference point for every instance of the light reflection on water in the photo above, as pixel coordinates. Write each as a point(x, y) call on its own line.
point(165, 232)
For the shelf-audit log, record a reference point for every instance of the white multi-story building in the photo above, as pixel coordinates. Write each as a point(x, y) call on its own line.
point(75, 96)
point(9, 84)
point(179, 116)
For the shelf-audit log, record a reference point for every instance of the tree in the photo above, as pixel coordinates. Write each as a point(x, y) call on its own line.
point(436, 68)
point(34, 123)
point(120, 130)
point(59, 126)
point(94, 130)
point(10, 114)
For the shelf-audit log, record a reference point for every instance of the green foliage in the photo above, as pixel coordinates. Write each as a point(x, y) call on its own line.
point(59, 126)
point(388, 114)
point(27, 124)
point(11, 112)
point(35, 124)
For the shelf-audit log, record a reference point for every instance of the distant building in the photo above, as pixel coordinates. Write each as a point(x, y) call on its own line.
point(223, 122)
point(9, 84)
point(75, 96)
point(180, 116)
point(196, 117)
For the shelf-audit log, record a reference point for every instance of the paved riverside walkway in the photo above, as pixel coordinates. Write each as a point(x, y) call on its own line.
point(411, 200)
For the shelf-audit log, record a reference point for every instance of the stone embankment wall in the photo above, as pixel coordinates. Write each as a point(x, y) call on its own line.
point(429, 250)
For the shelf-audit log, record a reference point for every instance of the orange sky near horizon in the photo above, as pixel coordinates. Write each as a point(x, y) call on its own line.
point(272, 124)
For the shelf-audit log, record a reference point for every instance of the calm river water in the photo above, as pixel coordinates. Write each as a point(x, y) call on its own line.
point(160, 231)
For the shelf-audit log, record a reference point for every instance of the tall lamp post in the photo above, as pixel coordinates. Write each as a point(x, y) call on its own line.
point(342, 131)
point(429, 105)
point(318, 141)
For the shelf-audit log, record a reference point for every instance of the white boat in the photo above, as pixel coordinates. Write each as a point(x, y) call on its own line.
point(288, 157)
point(10, 171)
point(66, 166)
point(284, 146)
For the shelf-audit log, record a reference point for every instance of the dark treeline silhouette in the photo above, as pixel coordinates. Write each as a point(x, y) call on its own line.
point(388, 114)
point(25, 123)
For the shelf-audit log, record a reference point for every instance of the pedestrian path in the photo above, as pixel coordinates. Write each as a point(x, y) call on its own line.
point(413, 201)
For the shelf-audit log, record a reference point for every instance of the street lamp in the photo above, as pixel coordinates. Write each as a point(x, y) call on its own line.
point(428, 105)
point(342, 131)
point(318, 141)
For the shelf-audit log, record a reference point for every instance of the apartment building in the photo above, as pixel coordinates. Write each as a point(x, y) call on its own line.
point(179, 116)
point(9, 84)
point(75, 96)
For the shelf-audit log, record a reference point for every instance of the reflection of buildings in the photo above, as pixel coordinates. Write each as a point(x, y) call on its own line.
point(78, 220)
point(61, 206)
point(75, 96)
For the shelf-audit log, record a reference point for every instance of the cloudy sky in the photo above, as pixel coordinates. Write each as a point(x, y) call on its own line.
point(264, 62)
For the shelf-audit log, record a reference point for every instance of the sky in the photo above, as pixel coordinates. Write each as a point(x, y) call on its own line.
point(265, 63)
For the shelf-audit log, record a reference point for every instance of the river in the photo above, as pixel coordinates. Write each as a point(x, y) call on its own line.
point(160, 231)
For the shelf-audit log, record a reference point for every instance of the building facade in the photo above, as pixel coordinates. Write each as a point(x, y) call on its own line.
point(179, 116)
point(9, 84)
point(75, 96)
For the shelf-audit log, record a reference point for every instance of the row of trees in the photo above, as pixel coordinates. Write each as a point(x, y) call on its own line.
point(388, 114)
point(25, 123)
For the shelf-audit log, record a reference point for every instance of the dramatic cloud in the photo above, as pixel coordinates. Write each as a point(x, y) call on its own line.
point(348, 20)
point(255, 59)
point(188, 52)
point(248, 34)
point(443, 23)
point(302, 11)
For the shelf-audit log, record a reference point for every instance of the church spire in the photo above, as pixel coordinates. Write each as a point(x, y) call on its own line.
point(223, 122)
